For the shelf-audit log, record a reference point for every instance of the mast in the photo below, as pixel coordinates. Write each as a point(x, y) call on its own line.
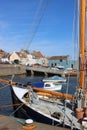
point(82, 34)
point(81, 94)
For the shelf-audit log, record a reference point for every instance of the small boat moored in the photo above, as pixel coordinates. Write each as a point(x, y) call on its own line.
point(55, 79)
point(52, 86)
point(46, 85)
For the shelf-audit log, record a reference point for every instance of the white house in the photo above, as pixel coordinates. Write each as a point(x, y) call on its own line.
point(29, 58)
point(19, 57)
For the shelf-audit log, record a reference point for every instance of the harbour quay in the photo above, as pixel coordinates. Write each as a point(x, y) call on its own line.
point(43, 71)
point(48, 71)
point(12, 69)
point(17, 69)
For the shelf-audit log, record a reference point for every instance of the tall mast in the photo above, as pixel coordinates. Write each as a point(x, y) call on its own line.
point(82, 43)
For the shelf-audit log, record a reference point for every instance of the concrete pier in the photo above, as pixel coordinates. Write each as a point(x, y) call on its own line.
point(10, 69)
point(39, 70)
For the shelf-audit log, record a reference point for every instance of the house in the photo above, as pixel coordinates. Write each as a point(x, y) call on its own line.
point(26, 58)
point(18, 57)
point(4, 56)
point(65, 61)
point(30, 59)
point(58, 60)
point(40, 58)
point(1, 54)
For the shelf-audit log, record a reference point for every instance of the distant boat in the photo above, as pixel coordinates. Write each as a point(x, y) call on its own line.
point(55, 79)
point(52, 86)
point(60, 67)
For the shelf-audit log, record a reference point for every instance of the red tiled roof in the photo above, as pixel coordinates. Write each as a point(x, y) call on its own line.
point(21, 55)
point(38, 54)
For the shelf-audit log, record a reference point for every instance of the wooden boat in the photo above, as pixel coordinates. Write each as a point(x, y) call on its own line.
point(53, 107)
point(43, 105)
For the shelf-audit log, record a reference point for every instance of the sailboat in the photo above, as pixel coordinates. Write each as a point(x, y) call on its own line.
point(53, 107)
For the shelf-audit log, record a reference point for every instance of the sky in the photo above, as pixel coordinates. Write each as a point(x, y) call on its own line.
point(41, 25)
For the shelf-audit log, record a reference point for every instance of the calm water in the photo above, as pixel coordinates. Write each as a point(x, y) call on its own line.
point(5, 94)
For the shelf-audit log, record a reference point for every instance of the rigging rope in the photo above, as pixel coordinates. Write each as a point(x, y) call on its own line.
point(8, 82)
point(10, 105)
point(3, 87)
point(78, 43)
point(34, 19)
point(16, 109)
point(36, 29)
point(75, 32)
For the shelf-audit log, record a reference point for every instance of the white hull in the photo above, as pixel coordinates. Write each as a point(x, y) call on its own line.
point(52, 86)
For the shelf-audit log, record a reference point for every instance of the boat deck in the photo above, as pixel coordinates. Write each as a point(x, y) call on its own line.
point(66, 115)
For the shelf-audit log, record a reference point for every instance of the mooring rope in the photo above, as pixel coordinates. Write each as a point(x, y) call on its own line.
point(4, 87)
point(10, 105)
point(16, 109)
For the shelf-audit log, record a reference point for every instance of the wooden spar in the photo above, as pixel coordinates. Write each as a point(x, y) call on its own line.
point(53, 93)
point(82, 43)
point(57, 94)
point(7, 81)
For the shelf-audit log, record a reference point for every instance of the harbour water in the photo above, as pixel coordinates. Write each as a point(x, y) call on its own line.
point(5, 94)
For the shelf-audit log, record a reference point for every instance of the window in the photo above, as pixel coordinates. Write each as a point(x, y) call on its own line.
point(61, 60)
point(47, 85)
point(52, 65)
point(55, 64)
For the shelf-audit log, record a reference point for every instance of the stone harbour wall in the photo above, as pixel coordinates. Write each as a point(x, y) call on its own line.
point(8, 69)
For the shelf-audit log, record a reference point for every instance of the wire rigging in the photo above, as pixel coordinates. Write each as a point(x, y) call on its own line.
point(38, 25)
point(75, 33)
point(75, 29)
point(34, 19)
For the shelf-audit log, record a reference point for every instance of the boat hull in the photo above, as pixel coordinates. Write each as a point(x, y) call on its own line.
point(26, 112)
point(29, 111)
point(52, 86)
